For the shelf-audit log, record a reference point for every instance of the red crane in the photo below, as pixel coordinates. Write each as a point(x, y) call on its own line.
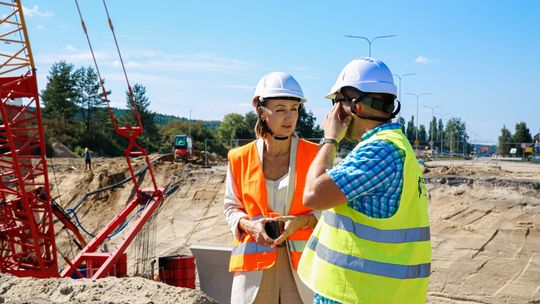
point(27, 243)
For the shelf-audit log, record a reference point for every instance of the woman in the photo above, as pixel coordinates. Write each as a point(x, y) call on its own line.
point(265, 182)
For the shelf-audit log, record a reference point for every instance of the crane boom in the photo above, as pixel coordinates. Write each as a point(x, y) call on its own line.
point(27, 243)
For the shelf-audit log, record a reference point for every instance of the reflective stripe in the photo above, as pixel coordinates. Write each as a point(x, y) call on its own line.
point(297, 246)
point(367, 266)
point(373, 234)
point(250, 248)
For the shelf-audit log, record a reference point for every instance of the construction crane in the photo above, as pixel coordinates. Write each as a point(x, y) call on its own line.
point(27, 240)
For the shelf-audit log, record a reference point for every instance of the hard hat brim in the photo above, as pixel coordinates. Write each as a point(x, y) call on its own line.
point(367, 87)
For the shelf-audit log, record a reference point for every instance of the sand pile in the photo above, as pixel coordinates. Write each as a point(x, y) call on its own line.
point(133, 290)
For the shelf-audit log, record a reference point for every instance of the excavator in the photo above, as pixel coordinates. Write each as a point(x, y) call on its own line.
point(27, 237)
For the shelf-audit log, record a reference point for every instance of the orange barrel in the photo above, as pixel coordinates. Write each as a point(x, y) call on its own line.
point(177, 270)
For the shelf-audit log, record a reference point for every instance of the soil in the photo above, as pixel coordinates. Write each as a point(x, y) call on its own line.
point(485, 227)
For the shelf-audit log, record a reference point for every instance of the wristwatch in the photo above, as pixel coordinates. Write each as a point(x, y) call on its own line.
point(328, 140)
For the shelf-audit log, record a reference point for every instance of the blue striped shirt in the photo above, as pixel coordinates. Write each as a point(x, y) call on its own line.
point(371, 177)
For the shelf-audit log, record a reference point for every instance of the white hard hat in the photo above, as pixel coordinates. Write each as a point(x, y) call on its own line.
point(367, 74)
point(277, 84)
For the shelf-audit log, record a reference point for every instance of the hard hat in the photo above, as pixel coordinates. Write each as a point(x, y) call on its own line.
point(277, 84)
point(368, 75)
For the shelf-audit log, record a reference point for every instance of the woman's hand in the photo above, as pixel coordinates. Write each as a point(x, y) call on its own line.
point(255, 228)
point(292, 224)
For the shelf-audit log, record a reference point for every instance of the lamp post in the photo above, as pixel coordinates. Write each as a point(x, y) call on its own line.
point(431, 142)
point(401, 77)
point(370, 41)
point(189, 122)
point(417, 101)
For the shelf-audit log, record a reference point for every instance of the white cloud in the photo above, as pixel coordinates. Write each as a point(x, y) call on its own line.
point(40, 26)
point(425, 60)
point(70, 48)
point(34, 11)
point(128, 64)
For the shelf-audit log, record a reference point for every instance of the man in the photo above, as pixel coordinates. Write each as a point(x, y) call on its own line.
point(372, 242)
point(87, 160)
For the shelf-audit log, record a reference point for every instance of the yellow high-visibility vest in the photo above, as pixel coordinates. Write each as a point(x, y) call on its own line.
point(354, 258)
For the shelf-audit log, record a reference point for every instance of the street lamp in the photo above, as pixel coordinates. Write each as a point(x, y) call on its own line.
point(370, 41)
point(431, 142)
point(417, 100)
point(401, 77)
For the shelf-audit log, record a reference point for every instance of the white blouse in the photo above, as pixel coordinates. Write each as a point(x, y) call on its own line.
point(245, 284)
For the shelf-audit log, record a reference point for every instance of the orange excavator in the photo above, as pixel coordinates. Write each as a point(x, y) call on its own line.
point(27, 239)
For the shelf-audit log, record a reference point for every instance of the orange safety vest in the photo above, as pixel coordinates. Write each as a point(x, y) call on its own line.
point(248, 178)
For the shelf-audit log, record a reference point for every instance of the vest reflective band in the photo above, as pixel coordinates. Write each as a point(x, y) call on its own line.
point(353, 258)
point(250, 184)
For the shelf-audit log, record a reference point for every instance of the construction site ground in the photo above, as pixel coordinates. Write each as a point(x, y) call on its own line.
point(485, 227)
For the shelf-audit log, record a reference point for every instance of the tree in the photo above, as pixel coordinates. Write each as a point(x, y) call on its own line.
point(232, 126)
point(422, 136)
point(433, 132)
point(305, 126)
point(60, 95)
point(456, 134)
point(401, 122)
point(440, 128)
point(90, 99)
point(522, 135)
point(411, 130)
point(505, 141)
point(147, 116)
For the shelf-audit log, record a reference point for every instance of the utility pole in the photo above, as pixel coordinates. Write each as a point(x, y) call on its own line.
point(417, 101)
point(401, 77)
point(431, 142)
point(370, 41)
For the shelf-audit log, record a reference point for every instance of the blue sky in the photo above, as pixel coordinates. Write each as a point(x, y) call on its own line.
point(479, 60)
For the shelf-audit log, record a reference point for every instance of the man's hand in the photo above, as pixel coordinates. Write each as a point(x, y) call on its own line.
point(255, 228)
point(337, 122)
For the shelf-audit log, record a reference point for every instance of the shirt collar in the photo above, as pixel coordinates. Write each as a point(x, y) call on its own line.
point(383, 127)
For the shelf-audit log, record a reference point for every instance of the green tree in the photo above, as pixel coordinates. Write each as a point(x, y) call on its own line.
point(60, 94)
point(456, 135)
point(142, 103)
point(233, 126)
point(422, 135)
point(306, 126)
point(505, 141)
point(411, 130)
point(522, 135)
point(433, 132)
point(401, 122)
point(90, 99)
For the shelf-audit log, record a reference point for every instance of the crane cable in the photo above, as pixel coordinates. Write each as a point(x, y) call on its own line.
point(123, 66)
point(102, 84)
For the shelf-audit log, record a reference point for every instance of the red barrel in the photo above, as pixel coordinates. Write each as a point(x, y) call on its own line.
point(177, 270)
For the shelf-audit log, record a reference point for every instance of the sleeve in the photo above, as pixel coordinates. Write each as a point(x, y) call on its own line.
point(367, 170)
point(232, 207)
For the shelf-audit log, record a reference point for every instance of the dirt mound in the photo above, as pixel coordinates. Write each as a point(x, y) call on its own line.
point(133, 290)
point(60, 150)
